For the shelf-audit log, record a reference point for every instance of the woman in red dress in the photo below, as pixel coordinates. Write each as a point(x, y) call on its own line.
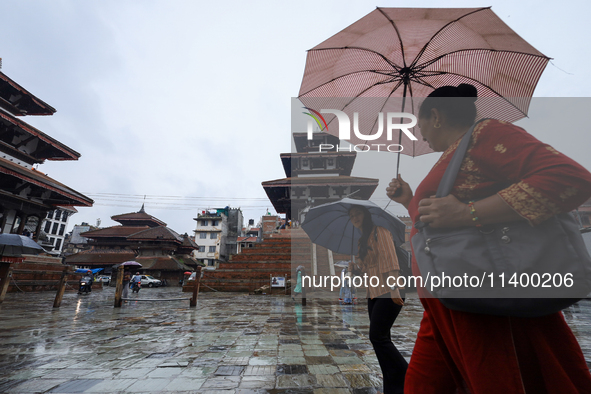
point(512, 176)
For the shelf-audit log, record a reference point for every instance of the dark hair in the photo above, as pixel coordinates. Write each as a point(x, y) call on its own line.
point(366, 228)
point(460, 109)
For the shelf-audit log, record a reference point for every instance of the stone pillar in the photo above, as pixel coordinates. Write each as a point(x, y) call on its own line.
point(5, 274)
point(61, 288)
point(38, 230)
point(193, 301)
point(119, 286)
point(21, 225)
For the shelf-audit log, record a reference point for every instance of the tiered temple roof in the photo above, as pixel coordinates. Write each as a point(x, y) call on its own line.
point(27, 194)
point(141, 237)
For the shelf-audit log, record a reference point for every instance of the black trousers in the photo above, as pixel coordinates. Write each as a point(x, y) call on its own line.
point(382, 314)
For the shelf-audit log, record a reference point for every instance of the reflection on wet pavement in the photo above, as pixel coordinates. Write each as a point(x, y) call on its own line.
point(229, 343)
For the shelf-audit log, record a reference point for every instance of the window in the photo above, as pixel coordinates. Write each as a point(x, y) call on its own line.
point(51, 240)
point(201, 249)
point(47, 227)
point(62, 229)
point(58, 243)
point(212, 249)
point(211, 263)
point(58, 214)
point(54, 228)
point(213, 236)
point(204, 223)
point(50, 215)
point(202, 235)
point(215, 222)
point(64, 216)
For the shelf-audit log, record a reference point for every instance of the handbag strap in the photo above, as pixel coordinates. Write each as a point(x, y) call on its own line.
point(451, 172)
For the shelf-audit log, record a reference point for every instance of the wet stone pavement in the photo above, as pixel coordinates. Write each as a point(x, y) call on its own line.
point(229, 343)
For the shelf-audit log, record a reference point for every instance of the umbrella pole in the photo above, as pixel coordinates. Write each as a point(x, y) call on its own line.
point(406, 82)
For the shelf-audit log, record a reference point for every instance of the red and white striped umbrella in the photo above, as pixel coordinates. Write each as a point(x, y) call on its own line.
point(393, 57)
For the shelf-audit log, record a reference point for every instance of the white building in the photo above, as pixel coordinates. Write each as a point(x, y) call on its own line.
point(54, 226)
point(216, 234)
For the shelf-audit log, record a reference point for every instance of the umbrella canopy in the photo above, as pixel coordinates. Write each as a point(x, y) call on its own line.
point(17, 245)
point(328, 225)
point(390, 58)
point(132, 264)
point(342, 264)
point(85, 270)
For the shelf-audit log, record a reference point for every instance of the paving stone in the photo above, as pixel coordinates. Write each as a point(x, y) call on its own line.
point(143, 347)
point(229, 370)
point(323, 369)
point(332, 391)
point(313, 360)
point(291, 369)
point(184, 384)
point(347, 360)
point(292, 360)
point(360, 380)
point(148, 385)
point(164, 373)
point(263, 361)
point(36, 385)
point(331, 381)
point(111, 385)
point(75, 386)
point(355, 368)
point(257, 382)
point(296, 381)
point(221, 383)
point(258, 370)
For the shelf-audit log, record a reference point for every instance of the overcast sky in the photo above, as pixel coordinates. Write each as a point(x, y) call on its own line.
point(188, 102)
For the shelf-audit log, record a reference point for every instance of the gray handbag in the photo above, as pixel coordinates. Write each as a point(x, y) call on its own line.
point(507, 269)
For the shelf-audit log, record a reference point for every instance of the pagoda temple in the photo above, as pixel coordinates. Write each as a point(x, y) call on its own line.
point(315, 178)
point(26, 194)
point(140, 236)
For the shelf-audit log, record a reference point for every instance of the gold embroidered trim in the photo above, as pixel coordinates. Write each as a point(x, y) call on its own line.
point(500, 148)
point(568, 193)
point(552, 150)
point(528, 202)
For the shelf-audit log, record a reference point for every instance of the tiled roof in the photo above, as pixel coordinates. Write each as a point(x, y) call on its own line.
point(115, 231)
point(100, 257)
point(247, 239)
point(40, 179)
point(156, 233)
point(34, 106)
point(166, 263)
point(137, 216)
point(189, 243)
point(321, 180)
point(49, 147)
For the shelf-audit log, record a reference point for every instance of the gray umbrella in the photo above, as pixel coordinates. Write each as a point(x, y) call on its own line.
point(132, 263)
point(17, 245)
point(328, 225)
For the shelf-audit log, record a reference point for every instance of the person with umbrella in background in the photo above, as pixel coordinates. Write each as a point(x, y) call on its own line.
point(511, 176)
point(126, 280)
point(378, 258)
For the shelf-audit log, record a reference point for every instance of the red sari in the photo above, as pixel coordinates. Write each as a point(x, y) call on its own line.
point(475, 353)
